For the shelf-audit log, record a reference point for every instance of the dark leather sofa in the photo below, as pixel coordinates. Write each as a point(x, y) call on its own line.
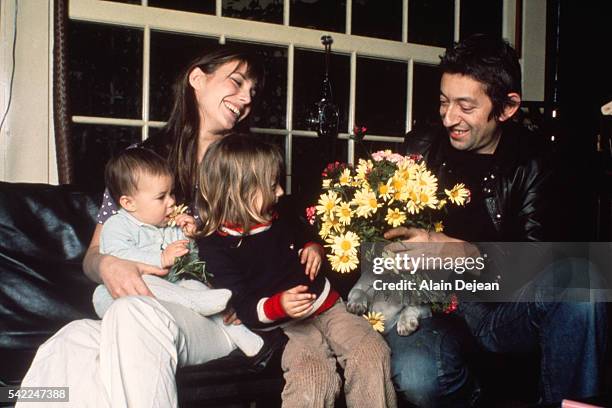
point(44, 232)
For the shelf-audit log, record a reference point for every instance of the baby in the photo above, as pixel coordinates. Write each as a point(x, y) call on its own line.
point(141, 182)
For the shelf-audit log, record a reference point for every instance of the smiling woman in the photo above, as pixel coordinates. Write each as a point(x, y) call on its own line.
point(212, 96)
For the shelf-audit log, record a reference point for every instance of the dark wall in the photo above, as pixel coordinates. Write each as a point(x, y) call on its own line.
point(583, 85)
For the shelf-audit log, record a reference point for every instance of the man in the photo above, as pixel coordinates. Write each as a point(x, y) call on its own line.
point(511, 186)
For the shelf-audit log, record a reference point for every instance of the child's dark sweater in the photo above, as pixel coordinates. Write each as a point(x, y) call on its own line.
point(258, 267)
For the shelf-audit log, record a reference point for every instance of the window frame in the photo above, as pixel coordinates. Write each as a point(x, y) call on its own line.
point(216, 26)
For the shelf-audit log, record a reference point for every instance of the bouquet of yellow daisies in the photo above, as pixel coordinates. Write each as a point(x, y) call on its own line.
point(358, 204)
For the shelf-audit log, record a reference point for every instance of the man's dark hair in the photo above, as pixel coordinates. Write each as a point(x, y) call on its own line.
point(491, 61)
point(123, 171)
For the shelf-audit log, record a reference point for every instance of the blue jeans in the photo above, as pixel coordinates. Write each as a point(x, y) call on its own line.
point(430, 368)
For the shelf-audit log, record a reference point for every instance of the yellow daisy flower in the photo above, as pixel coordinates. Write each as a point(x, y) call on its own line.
point(327, 204)
point(459, 194)
point(343, 263)
point(385, 191)
point(366, 203)
point(377, 320)
point(413, 207)
point(344, 213)
point(438, 226)
point(426, 179)
point(363, 168)
point(427, 198)
point(395, 217)
point(176, 211)
point(329, 226)
point(345, 178)
point(345, 244)
point(326, 184)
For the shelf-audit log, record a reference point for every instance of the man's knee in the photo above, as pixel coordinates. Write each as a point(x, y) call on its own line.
point(429, 368)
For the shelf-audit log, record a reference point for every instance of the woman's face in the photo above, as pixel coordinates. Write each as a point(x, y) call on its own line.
point(224, 96)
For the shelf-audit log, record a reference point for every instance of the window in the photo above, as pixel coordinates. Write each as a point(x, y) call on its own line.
point(125, 56)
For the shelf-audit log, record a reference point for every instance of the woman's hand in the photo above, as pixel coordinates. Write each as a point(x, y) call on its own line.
point(296, 302)
point(312, 256)
point(124, 278)
point(187, 223)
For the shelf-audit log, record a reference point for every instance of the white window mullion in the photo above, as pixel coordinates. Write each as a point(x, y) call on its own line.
point(509, 21)
point(349, 16)
point(409, 96)
point(146, 80)
point(219, 8)
point(240, 29)
point(351, 118)
point(286, 12)
point(457, 20)
point(289, 118)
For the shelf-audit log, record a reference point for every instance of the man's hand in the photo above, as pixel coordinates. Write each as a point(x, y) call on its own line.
point(417, 242)
point(187, 223)
point(409, 234)
point(124, 278)
point(312, 256)
point(296, 302)
point(173, 251)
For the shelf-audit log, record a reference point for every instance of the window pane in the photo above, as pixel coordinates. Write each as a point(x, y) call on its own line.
point(308, 162)
point(381, 96)
point(196, 6)
point(270, 108)
point(170, 55)
point(93, 146)
point(373, 18)
point(483, 16)
point(270, 11)
point(327, 15)
point(105, 64)
point(431, 22)
point(364, 149)
point(426, 95)
point(309, 71)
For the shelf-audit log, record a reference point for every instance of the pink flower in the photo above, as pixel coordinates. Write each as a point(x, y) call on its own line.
point(395, 158)
point(310, 214)
point(379, 156)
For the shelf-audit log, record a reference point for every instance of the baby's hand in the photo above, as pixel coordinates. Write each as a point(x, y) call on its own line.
point(312, 256)
point(296, 302)
point(172, 251)
point(187, 223)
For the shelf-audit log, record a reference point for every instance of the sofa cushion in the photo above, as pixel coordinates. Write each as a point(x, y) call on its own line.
point(44, 231)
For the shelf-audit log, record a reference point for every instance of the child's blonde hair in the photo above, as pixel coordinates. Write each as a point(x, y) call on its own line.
point(234, 170)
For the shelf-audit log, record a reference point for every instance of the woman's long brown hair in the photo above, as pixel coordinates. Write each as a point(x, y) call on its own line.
point(179, 140)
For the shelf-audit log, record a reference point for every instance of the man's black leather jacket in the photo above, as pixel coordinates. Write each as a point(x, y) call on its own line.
point(519, 190)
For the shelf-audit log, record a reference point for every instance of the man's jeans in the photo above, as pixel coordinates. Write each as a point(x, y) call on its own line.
point(430, 368)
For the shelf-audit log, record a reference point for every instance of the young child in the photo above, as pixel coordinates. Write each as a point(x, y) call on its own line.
point(272, 272)
point(140, 181)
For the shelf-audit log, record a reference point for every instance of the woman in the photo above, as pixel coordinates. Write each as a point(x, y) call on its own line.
point(130, 357)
